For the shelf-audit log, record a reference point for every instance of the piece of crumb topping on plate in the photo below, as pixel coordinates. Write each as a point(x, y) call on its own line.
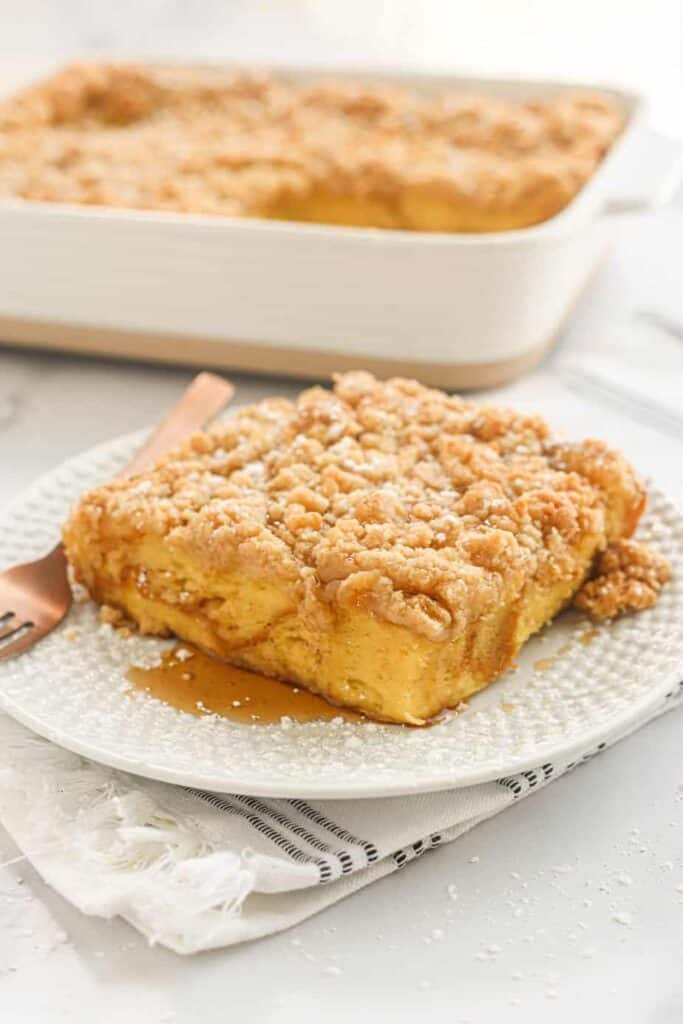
point(628, 577)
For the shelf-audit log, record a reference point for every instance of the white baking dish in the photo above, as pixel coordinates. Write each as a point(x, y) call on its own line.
point(454, 310)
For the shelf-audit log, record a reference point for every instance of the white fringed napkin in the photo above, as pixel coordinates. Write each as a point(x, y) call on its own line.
point(194, 870)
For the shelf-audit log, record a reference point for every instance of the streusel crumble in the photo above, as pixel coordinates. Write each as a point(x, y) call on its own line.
point(241, 144)
point(627, 578)
point(384, 544)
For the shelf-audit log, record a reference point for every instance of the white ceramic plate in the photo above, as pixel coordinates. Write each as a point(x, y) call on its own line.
point(72, 689)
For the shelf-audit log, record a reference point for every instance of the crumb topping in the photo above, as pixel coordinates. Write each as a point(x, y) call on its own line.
point(115, 618)
point(246, 144)
point(628, 577)
point(422, 507)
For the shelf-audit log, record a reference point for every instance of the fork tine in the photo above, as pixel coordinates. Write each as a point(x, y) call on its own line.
point(26, 640)
point(9, 625)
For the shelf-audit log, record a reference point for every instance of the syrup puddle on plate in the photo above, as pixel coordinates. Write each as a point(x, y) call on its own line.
point(585, 638)
point(201, 685)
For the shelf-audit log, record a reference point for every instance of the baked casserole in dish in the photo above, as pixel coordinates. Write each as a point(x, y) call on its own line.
point(421, 226)
point(342, 153)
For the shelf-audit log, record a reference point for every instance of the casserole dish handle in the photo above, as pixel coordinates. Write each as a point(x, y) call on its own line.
point(648, 173)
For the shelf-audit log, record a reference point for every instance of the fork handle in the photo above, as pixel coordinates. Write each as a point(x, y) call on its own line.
point(200, 402)
point(46, 589)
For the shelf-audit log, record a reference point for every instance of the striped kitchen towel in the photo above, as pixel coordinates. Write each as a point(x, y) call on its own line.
point(194, 870)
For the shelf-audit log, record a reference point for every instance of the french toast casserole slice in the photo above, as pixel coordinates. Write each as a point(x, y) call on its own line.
point(383, 544)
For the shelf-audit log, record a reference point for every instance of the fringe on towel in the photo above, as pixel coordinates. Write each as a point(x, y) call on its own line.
point(111, 848)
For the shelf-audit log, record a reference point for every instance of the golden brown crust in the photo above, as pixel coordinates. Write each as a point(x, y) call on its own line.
point(425, 509)
point(628, 577)
point(243, 144)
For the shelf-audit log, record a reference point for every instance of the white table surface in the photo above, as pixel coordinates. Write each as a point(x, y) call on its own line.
point(552, 871)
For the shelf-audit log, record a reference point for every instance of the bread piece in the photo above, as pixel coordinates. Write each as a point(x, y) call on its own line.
point(385, 545)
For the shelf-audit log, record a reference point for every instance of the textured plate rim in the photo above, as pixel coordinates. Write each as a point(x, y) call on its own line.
point(555, 750)
point(354, 790)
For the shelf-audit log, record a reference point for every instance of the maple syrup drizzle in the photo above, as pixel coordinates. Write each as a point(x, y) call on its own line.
point(202, 685)
point(584, 638)
point(543, 663)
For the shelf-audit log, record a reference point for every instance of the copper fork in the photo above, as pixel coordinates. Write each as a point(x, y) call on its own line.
point(35, 596)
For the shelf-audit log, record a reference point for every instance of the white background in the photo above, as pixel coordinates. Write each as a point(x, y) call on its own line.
point(634, 42)
point(605, 840)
